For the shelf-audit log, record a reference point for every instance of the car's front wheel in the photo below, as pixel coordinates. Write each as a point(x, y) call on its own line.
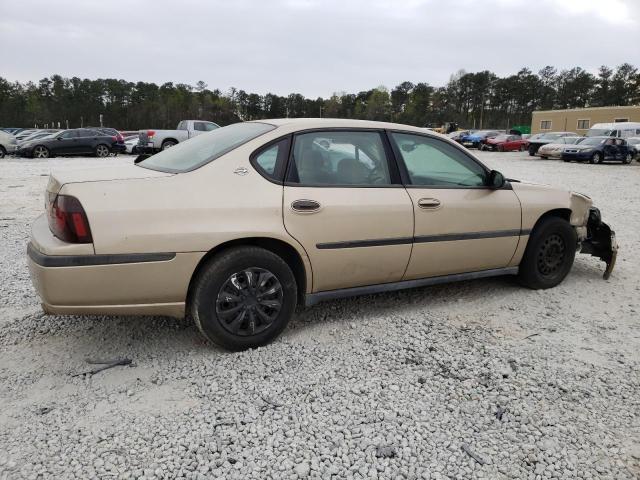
point(243, 298)
point(3, 152)
point(627, 158)
point(549, 254)
point(532, 151)
point(596, 158)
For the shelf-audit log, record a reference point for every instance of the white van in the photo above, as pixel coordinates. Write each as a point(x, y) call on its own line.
point(618, 129)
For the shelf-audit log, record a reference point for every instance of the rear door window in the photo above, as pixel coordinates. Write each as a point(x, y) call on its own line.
point(339, 158)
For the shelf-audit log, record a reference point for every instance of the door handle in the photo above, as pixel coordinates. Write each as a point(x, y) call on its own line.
point(429, 203)
point(305, 206)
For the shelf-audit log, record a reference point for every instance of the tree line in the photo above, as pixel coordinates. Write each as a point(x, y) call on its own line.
point(474, 100)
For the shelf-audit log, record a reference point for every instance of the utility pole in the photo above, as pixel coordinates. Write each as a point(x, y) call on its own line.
point(321, 111)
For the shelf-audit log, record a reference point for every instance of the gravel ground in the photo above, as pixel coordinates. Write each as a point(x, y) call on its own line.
point(481, 379)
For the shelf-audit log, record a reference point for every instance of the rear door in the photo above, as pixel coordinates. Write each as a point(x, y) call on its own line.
point(344, 202)
point(460, 224)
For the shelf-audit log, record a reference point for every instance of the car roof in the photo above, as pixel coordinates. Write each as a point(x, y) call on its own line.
point(293, 124)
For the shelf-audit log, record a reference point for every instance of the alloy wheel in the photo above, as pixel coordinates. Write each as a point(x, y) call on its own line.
point(249, 301)
point(102, 151)
point(551, 255)
point(40, 152)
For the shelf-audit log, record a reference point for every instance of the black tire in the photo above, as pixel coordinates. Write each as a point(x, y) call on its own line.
point(3, 152)
point(532, 151)
point(543, 157)
point(216, 294)
point(522, 148)
point(595, 158)
point(627, 159)
point(167, 144)
point(549, 255)
point(102, 151)
point(566, 160)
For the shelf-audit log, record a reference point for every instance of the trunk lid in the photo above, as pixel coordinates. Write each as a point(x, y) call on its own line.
point(100, 174)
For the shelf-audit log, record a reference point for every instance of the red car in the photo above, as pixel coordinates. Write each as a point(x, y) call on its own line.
point(506, 143)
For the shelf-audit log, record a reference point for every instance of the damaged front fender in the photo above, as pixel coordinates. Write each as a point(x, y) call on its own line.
point(600, 241)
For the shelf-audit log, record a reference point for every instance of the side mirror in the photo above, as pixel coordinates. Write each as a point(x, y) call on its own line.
point(59, 138)
point(141, 157)
point(496, 180)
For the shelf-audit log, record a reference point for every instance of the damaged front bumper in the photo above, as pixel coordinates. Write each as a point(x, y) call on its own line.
point(600, 241)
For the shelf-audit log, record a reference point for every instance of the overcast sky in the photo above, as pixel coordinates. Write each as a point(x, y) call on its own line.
point(314, 47)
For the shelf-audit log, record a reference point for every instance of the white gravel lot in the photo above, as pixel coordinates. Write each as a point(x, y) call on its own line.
point(535, 384)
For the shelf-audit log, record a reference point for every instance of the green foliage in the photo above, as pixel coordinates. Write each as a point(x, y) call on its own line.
point(470, 99)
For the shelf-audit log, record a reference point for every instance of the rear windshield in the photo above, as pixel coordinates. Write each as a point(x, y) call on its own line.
point(600, 132)
point(204, 148)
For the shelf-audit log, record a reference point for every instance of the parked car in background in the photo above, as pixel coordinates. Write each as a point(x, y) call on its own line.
point(554, 150)
point(536, 141)
point(599, 149)
point(120, 147)
point(37, 134)
point(252, 230)
point(153, 141)
point(79, 141)
point(11, 130)
point(8, 144)
point(634, 146)
point(455, 136)
point(131, 144)
point(25, 133)
point(505, 143)
point(477, 138)
point(617, 129)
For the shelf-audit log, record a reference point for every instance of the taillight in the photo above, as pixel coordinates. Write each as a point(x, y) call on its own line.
point(151, 133)
point(114, 138)
point(67, 219)
point(119, 138)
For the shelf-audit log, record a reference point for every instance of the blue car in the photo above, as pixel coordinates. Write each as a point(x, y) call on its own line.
point(599, 149)
point(477, 138)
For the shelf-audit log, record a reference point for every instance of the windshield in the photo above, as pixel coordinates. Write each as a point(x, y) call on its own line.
point(600, 132)
point(501, 138)
point(550, 136)
point(592, 141)
point(204, 148)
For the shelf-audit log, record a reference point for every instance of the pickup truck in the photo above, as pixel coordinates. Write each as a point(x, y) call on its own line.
point(153, 141)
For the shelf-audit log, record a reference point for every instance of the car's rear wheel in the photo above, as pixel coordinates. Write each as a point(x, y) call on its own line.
point(595, 158)
point(102, 151)
point(549, 254)
point(500, 148)
point(543, 157)
point(532, 151)
point(3, 152)
point(627, 158)
point(243, 298)
point(167, 144)
point(522, 148)
point(41, 152)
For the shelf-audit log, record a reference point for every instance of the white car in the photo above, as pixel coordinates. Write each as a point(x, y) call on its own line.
point(131, 144)
point(7, 143)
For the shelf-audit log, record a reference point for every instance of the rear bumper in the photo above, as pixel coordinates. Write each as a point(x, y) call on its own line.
point(119, 148)
point(124, 284)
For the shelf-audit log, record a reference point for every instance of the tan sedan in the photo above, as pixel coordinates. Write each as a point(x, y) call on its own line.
point(238, 226)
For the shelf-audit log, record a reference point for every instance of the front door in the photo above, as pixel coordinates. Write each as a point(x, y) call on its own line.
point(344, 202)
point(460, 224)
point(65, 143)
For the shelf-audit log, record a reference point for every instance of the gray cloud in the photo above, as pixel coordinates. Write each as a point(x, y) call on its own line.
point(314, 47)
